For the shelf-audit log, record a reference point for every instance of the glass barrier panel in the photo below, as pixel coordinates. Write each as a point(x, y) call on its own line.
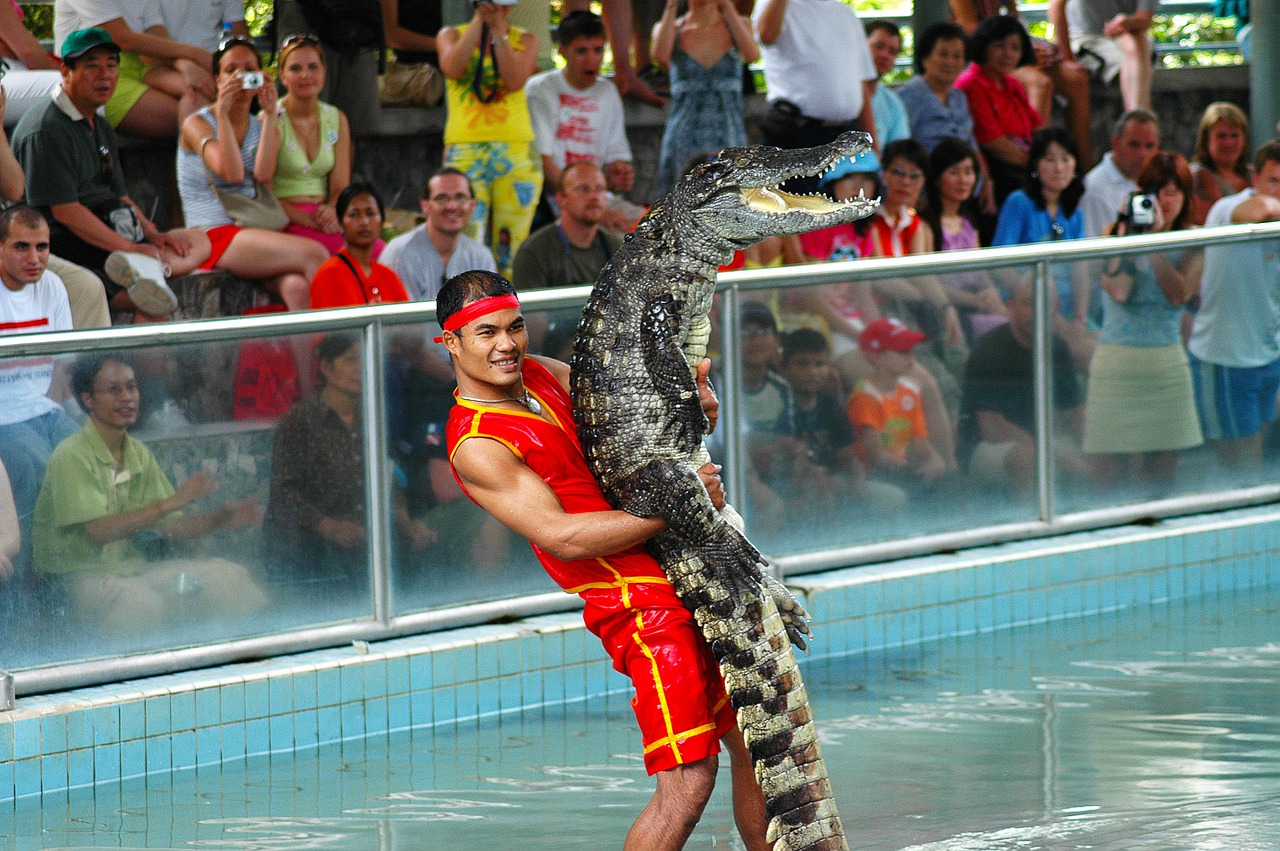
point(851, 438)
point(176, 496)
point(446, 550)
point(1178, 359)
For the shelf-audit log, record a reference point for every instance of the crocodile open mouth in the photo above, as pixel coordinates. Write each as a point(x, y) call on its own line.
point(775, 201)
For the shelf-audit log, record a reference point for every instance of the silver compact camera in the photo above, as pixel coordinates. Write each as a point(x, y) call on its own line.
point(1142, 211)
point(1138, 215)
point(251, 80)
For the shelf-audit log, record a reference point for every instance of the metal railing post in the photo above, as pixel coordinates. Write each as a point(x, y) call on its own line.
point(1042, 364)
point(377, 483)
point(735, 482)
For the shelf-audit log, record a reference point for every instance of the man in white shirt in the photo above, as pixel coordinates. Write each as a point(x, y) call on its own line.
point(435, 251)
point(819, 73)
point(32, 300)
point(1235, 342)
point(576, 115)
point(1134, 138)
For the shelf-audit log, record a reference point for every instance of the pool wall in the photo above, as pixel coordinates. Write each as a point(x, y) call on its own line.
point(52, 743)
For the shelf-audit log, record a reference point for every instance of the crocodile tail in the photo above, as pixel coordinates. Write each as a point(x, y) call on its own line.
point(749, 640)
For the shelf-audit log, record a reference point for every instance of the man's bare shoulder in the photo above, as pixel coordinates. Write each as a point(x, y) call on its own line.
point(483, 459)
point(557, 368)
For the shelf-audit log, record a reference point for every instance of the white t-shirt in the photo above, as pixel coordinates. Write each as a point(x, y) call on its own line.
point(72, 15)
point(820, 59)
point(572, 124)
point(1105, 189)
point(24, 381)
point(199, 22)
point(1238, 324)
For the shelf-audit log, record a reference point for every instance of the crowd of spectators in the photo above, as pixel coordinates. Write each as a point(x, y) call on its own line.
point(869, 393)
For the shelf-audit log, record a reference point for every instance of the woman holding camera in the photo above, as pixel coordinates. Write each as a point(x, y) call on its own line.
point(488, 133)
point(224, 147)
point(1139, 410)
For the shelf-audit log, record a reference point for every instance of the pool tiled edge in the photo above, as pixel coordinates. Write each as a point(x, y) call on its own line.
point(182, 721)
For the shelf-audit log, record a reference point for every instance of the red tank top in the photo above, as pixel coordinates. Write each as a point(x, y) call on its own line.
point(552, 450)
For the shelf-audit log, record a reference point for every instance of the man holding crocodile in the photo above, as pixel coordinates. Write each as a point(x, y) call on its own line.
point(672, 586)
point(515, 451)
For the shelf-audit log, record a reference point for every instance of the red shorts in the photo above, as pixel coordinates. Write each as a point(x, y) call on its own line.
point(219, 238)
point(680, 702)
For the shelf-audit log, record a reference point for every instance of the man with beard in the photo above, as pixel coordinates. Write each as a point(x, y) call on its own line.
point(574, 248)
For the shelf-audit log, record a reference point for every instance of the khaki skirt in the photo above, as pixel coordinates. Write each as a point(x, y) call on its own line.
point(1140, 400)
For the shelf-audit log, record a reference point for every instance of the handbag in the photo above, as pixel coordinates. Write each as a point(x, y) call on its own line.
point(261, 211)
point(410, 84)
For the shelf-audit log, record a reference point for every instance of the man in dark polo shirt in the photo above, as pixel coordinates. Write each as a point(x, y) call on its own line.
point(570, 251)
point(574, 248)
point(69, 154)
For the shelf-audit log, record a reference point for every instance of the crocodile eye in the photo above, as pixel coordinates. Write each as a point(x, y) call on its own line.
point(744, 161)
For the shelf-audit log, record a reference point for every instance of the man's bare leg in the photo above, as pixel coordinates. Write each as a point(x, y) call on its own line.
point(748, 800)
point(1135, 70)
point(673, 813)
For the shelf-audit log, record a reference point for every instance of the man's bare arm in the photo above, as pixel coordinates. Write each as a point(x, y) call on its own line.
point(505, 487)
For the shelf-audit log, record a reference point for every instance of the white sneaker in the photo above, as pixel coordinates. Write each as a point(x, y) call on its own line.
point(143, 277)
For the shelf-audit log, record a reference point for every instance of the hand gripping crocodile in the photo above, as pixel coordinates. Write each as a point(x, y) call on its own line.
point(641, 424)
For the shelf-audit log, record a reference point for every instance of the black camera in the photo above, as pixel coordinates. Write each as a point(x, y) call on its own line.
point(1138, 213)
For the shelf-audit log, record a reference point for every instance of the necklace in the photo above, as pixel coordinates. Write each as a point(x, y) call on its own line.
point(534, 406)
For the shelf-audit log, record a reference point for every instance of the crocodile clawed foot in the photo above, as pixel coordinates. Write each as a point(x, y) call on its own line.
point(794, 617)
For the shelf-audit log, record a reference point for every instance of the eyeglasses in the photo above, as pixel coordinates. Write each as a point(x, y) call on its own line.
point(458, 198)
point(129, 388)
point(906, 175)
point(1056, 231)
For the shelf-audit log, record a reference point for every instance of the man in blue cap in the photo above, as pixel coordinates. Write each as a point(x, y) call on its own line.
point(68, 151)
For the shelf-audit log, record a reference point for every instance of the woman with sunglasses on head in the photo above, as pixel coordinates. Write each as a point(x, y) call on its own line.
point(225, 146)
point(488, 133)
point(313, 164)
point(352, 277)
point(1140, 409)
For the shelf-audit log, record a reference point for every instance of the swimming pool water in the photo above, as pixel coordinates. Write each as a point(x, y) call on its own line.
point(1151, 728)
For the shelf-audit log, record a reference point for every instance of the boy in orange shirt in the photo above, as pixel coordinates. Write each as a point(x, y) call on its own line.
point(886, 411)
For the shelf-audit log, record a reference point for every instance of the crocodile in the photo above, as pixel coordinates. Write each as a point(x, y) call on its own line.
point(643, 331)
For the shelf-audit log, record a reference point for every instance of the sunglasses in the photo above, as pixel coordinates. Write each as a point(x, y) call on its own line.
point(108, 163)
point(236, 41)
point(300, 39)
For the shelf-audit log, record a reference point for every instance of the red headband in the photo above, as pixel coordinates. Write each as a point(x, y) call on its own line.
point(483, 307)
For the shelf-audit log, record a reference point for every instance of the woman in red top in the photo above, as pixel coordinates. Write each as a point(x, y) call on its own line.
point(352, 277)
point(1003, 117)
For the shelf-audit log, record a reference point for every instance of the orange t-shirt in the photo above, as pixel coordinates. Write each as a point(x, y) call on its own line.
point(897, 416)
point(337, 284)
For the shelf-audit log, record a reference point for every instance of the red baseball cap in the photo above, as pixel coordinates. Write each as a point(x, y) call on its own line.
point(888, 335)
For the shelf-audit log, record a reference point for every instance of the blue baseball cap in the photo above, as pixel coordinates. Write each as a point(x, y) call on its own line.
point(864, 163)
